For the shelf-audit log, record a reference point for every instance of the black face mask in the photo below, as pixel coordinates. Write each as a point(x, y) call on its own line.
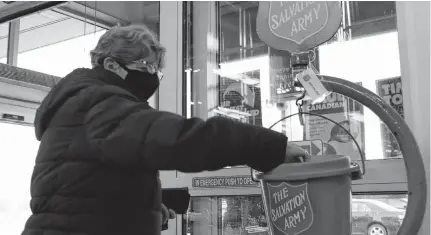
point(141, 84)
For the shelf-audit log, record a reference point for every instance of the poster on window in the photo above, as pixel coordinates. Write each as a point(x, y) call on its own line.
point(344, 111)
point(281, 78)
point(242, 215)
point(391, 91)
point(240, 101)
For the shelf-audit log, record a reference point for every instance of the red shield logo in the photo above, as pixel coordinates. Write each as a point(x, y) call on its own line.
point(297, 26)
point(290, 210)
point(297, 21)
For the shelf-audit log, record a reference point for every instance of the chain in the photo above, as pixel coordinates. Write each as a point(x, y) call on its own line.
point(299, 104)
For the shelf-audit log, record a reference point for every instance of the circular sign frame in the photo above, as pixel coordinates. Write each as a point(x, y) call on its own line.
point(416, 174)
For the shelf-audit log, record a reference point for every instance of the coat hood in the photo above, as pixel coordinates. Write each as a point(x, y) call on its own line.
point(69, 86)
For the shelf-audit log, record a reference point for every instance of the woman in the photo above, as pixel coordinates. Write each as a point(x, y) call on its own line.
point(102, 145)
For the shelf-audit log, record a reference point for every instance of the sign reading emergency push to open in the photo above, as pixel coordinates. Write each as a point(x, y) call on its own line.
point(297, 25)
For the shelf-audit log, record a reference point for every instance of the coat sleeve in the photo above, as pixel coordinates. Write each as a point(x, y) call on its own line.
point(166, 141)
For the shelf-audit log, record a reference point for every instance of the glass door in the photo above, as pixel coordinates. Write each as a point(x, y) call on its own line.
point(230, 72)
point(372, 214)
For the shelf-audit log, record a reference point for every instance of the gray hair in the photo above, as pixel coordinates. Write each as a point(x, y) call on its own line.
point(127, 44)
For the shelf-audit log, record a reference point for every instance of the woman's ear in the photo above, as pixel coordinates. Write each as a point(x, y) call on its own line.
point(111, 65)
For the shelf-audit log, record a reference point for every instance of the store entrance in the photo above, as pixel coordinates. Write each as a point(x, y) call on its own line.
point(237, 76)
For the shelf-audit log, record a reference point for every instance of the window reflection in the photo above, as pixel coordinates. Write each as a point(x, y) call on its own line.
point(369, 18)
point(251, 80)
point(382, 214)
point(245, 215)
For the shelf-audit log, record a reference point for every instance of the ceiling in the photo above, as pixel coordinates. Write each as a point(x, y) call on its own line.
point(50, 26)
point(134, 12)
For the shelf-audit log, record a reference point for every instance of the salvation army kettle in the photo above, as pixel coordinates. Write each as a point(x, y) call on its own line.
point(315, 197)
point(312, 197)
point(297, 198)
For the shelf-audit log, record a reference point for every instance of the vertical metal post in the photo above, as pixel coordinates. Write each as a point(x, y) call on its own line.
point(413, 22)
point(13, 42)
point(205, 58)
point(170, 92)
point(169, 97)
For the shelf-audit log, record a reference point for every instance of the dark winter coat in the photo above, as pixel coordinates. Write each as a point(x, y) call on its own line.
point(96, 170)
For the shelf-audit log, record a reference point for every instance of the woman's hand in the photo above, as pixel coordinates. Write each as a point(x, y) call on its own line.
point(167, 214)
point(295, 154)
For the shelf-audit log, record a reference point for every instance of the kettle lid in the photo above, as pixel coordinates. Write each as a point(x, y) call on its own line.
point(318, 167)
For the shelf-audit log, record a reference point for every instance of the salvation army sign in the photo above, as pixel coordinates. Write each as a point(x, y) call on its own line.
point(290, 209)
point(287, 20)
point(297, 25)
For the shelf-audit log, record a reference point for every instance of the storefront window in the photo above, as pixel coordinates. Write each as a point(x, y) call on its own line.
point(59, 53)
point(230, 72)
point(245, 215)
